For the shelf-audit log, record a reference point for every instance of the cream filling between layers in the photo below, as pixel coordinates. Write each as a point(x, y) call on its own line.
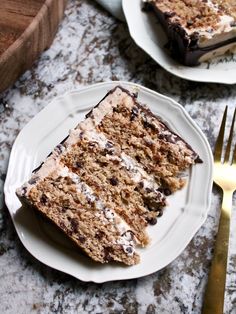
point(231, 48)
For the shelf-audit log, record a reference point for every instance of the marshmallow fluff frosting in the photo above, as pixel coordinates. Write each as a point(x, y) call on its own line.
point(110, 178)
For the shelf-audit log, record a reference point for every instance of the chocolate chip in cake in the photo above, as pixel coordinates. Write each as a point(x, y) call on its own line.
point(102, 163)
point(59, 149)
point(194, 39)
point(33, 180)
point(189, 23)
point(171, 138)
point(24, 190)
point(114, 181)
point(147, 125)
point(81, 238)
point(141, 184)
point(99, 234)
point(169, 14)
point(62, 225)
point(81, 135)
point(74, 224)
point(137, 158)
point(152, 221)
point(134, 113)
point(167, 191)
point(78, 164)
point(43, 199)
point(148, 190)
point(92, 144)
point(109, 148)
point(129, 249)
point(107, 254)
point(151, 203)
point(109, 145)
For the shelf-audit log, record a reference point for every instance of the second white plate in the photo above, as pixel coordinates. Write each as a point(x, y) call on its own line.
point(185, 214)
point(149, 35)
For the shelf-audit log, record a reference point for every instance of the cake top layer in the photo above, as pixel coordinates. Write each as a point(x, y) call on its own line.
point(206, 18)
point(87, 129)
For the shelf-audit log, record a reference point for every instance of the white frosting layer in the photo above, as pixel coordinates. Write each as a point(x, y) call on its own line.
point(231, 48)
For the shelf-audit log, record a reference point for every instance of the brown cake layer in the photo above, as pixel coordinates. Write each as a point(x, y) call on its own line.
point(78, 214)
point(150, 142)
point(108, 179)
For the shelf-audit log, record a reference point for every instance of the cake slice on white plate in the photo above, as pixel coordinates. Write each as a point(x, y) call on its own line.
point(109, 178)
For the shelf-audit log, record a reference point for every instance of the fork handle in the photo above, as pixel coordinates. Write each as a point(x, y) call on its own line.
point(214, 294)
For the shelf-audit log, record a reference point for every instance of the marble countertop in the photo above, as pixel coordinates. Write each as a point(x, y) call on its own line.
point(90, 47)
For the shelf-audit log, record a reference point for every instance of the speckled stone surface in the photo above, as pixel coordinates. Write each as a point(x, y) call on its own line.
point(91, 46)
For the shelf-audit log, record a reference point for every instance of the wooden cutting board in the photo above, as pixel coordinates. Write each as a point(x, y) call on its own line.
point(27, 27)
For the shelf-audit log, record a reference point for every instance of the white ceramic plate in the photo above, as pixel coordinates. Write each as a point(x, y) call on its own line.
point(149, 35)
point(185, 214)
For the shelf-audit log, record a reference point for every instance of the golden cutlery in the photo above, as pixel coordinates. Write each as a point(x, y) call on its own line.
point(225, 177)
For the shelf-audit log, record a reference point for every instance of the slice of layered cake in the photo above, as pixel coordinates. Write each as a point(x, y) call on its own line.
point(197, 30)
point(110, 177)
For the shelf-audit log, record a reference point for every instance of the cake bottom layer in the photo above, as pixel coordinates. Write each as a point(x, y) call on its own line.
point(71, 205)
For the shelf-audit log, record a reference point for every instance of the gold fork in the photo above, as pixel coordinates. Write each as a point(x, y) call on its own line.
point(225, 177)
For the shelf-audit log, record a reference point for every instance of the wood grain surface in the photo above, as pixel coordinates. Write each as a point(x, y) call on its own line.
point(27, 27)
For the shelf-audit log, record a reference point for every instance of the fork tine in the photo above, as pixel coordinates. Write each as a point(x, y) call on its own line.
point(227, 153)
point(220, 138)
point(234, 155)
